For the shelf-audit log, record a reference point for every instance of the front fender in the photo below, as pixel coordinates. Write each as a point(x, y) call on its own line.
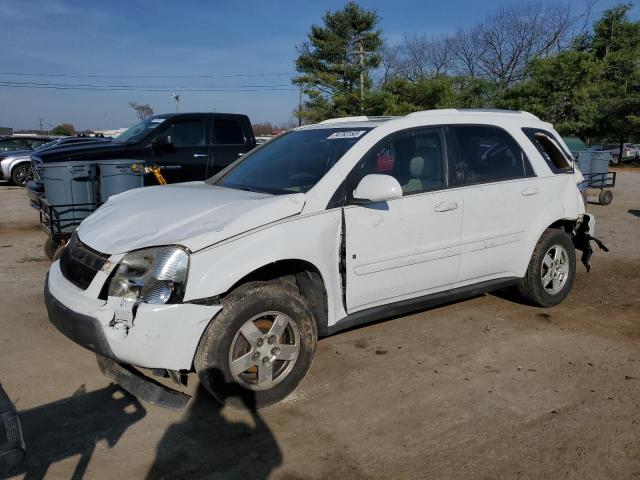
point(313, 238)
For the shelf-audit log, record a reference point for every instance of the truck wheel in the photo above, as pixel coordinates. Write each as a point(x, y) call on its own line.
point(551, 270)
point(258, 349)
point(605, 197)
point(20, 174)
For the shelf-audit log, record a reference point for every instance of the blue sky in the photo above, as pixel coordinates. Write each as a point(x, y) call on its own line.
point(155, 38)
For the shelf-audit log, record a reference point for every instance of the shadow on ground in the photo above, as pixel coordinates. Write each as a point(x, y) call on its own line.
point(205, 445)
point(74, 426)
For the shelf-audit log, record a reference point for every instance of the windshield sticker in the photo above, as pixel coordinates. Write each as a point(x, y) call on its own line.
point(346, 134)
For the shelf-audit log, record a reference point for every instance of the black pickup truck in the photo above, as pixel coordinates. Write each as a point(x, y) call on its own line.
point(185, 146)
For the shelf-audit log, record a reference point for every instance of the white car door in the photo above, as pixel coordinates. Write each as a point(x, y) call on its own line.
point(501, 196)
point(406, 247)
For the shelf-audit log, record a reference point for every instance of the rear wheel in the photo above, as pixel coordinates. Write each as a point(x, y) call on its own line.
point(260, 346)
point(551, 270)
point(20, 174)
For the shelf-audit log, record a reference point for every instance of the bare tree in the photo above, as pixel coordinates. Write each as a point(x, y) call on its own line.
point(419, 56)
point(467, 50)
point(142, 111)
point(515, 35)
point(391, 62)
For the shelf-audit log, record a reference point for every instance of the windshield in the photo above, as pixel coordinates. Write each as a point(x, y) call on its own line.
point(292, 163)
point(140, 130)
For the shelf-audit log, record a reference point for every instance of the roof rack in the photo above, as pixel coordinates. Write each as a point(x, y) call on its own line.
point(361, 118)
point(494, 111)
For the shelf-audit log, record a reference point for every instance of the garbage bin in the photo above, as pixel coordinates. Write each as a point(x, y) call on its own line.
point(117, 176)
point(70, 188)
point(583, 162)
point(599, 169)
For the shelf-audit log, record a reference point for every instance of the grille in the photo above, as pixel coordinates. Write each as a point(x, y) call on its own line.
point(79, 263)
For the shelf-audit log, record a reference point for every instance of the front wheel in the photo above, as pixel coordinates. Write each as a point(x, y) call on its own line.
point(258, 349)
point(20, 174)
point(551, 270)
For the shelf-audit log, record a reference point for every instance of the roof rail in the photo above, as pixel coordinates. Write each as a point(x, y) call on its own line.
point(495, 111)
point(361, 118)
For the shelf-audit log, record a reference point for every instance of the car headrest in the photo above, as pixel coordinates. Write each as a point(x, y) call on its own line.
point(416, 166)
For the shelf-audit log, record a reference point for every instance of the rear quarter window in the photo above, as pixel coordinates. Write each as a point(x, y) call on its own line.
point(553, 154)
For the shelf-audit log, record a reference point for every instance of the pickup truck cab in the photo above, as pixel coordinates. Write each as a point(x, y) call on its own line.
point(323, 228)
point(185, 146)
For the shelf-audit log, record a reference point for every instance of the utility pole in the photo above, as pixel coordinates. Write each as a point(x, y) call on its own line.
point(41, 131)
point(300, 107)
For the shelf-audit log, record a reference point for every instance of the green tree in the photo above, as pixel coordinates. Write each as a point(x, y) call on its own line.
point(63, 129)
point(616, 42)
point(591, 89)
point(332, 59)
point(565, 89)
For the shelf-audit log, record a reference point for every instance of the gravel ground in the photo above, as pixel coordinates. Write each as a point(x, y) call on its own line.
point(484, 388)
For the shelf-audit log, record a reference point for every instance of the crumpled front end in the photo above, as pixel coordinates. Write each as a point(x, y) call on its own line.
point(150, 336)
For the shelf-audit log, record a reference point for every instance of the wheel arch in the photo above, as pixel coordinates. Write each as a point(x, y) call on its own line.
point(302, 274)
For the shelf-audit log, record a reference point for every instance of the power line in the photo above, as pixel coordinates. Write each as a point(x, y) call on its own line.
point(175, 87)
point(124, 88)
point(214, 75)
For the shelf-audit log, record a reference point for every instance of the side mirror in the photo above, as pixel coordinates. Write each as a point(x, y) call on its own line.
point(377, 188)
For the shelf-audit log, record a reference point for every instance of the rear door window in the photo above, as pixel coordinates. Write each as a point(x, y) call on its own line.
point(228, 131)
point(488, 154)
point(188, 134)
point(558, 160)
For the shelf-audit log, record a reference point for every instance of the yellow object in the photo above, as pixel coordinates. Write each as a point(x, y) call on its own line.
point(156, 172)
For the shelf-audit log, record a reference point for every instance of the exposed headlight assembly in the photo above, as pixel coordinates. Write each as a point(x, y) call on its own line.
point(152, 275)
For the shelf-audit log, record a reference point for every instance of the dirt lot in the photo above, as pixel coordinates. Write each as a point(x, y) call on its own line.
point(485, 388)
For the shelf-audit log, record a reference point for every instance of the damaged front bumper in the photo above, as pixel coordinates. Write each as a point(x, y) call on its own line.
point(148, 336)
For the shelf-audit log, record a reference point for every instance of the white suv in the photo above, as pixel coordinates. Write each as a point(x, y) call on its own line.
point(323, 228)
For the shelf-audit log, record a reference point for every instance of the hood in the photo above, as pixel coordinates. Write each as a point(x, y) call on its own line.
point(193, 214)
point(16, 153)
point(85, 151)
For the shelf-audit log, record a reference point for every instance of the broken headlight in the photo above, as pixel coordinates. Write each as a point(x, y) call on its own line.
point(152, 275)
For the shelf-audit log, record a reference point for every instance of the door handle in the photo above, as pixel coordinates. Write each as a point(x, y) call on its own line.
point(445, 206)
point(527, 192)
point(200, 155)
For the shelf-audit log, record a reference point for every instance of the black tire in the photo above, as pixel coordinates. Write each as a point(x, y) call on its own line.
point(212, 358)
point(20, 174)
point(50, 247)
point(532, 287)
point(605, 197)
